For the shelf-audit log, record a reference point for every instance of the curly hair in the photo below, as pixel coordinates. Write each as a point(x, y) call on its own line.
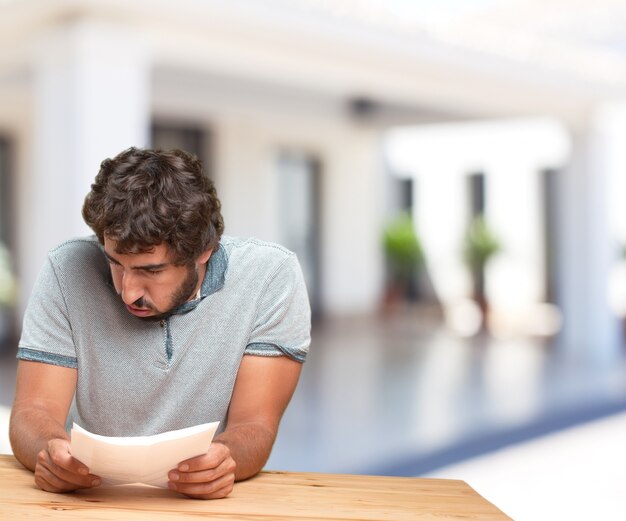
point(143, 198)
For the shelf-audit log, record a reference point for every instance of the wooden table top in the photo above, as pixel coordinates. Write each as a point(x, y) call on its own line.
point(275, 496)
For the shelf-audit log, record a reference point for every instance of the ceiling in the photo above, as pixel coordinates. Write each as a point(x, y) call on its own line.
point(439, 59)
point(581, 37)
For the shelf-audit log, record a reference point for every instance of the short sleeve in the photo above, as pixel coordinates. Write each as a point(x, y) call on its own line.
point(283, 321)
point(46, 332)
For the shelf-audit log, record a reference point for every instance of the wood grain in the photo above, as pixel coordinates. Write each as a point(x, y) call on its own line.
point(275, 496)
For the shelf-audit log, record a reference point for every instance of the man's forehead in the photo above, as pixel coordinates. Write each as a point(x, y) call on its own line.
point(161, 252)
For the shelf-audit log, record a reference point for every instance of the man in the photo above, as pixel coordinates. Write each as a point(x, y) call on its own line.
point(159, 323)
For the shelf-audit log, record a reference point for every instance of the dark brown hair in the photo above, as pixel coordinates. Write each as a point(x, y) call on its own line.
point(143, 198)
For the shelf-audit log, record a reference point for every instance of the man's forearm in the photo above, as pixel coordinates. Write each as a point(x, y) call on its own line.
point(250, 445)
point(30, 430)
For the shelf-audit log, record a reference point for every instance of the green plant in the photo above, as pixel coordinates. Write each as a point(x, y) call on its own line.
point(403, 248)
point(480, 243)
point(8, 285)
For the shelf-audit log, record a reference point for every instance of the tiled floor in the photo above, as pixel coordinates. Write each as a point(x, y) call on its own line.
point(400, 395)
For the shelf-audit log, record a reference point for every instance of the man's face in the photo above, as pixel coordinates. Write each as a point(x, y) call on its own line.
point(150, 284)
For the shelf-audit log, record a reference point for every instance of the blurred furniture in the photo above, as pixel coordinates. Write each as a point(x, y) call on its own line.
point(268, 496)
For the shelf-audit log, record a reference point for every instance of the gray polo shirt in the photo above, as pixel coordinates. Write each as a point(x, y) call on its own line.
point(141, 377)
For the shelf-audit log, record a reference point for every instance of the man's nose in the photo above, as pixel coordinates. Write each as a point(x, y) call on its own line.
point(131, 289)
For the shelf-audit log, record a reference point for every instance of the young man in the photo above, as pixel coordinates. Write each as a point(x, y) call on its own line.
point(159, 323)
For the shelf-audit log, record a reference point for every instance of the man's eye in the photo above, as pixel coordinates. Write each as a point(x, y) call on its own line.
point(153, 272)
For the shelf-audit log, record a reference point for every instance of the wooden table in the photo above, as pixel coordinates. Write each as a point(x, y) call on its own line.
point(270, 496)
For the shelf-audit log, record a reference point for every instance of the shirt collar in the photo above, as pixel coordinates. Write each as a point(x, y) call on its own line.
point(213, 280)
point(215, 272)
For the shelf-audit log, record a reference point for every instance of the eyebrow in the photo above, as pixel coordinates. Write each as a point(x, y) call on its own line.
point(145, 267)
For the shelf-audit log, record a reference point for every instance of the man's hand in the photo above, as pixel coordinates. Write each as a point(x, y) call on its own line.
point(57, 471)
point(209, 476)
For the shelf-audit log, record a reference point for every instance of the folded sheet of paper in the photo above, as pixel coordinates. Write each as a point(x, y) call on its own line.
point(139, 459)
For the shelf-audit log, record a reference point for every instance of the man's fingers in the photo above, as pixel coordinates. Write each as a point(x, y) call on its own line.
point(50, 482)
point(44, 484)
point(217, 453)
point(204, 476)
point(209, 476)
point(205, 484)
point(59, 451)
point(219, 488)
point(65, 471)
point(47, 464)
point(219, 494)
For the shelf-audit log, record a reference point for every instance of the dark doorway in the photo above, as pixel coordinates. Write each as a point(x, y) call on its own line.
point(299, 201)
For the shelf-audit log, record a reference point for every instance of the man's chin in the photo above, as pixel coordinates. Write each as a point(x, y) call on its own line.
point(155, 318)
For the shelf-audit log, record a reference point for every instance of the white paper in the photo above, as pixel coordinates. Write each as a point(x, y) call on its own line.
point(139, 459)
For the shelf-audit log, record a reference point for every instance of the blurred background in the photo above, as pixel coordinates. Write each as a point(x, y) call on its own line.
point(450, 174)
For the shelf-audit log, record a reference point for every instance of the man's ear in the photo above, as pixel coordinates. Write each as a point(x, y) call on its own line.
point(205, 256)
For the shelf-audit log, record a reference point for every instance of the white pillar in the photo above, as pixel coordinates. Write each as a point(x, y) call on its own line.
point(440, 219)
point(91, 101)
point(517, 277)
point(352, 260)
point(585, 248)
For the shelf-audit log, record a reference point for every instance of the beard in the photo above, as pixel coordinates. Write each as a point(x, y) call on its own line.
point(182, 294)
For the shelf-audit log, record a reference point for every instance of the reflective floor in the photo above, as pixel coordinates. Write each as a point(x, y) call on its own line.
point(400, 395)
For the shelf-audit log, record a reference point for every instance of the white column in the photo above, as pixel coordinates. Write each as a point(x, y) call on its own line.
point(516, 278)
point(91, 101)
point(585, 248)
point(352, 263)
point(440, 219)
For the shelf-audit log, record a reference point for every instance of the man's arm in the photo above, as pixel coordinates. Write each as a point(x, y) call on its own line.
point(262, 391)
point(43, 397)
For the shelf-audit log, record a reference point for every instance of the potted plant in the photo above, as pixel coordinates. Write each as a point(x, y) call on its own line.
point(404, 257)
point(480, 245)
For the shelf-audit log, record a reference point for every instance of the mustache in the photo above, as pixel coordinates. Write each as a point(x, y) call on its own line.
point(142, 303)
